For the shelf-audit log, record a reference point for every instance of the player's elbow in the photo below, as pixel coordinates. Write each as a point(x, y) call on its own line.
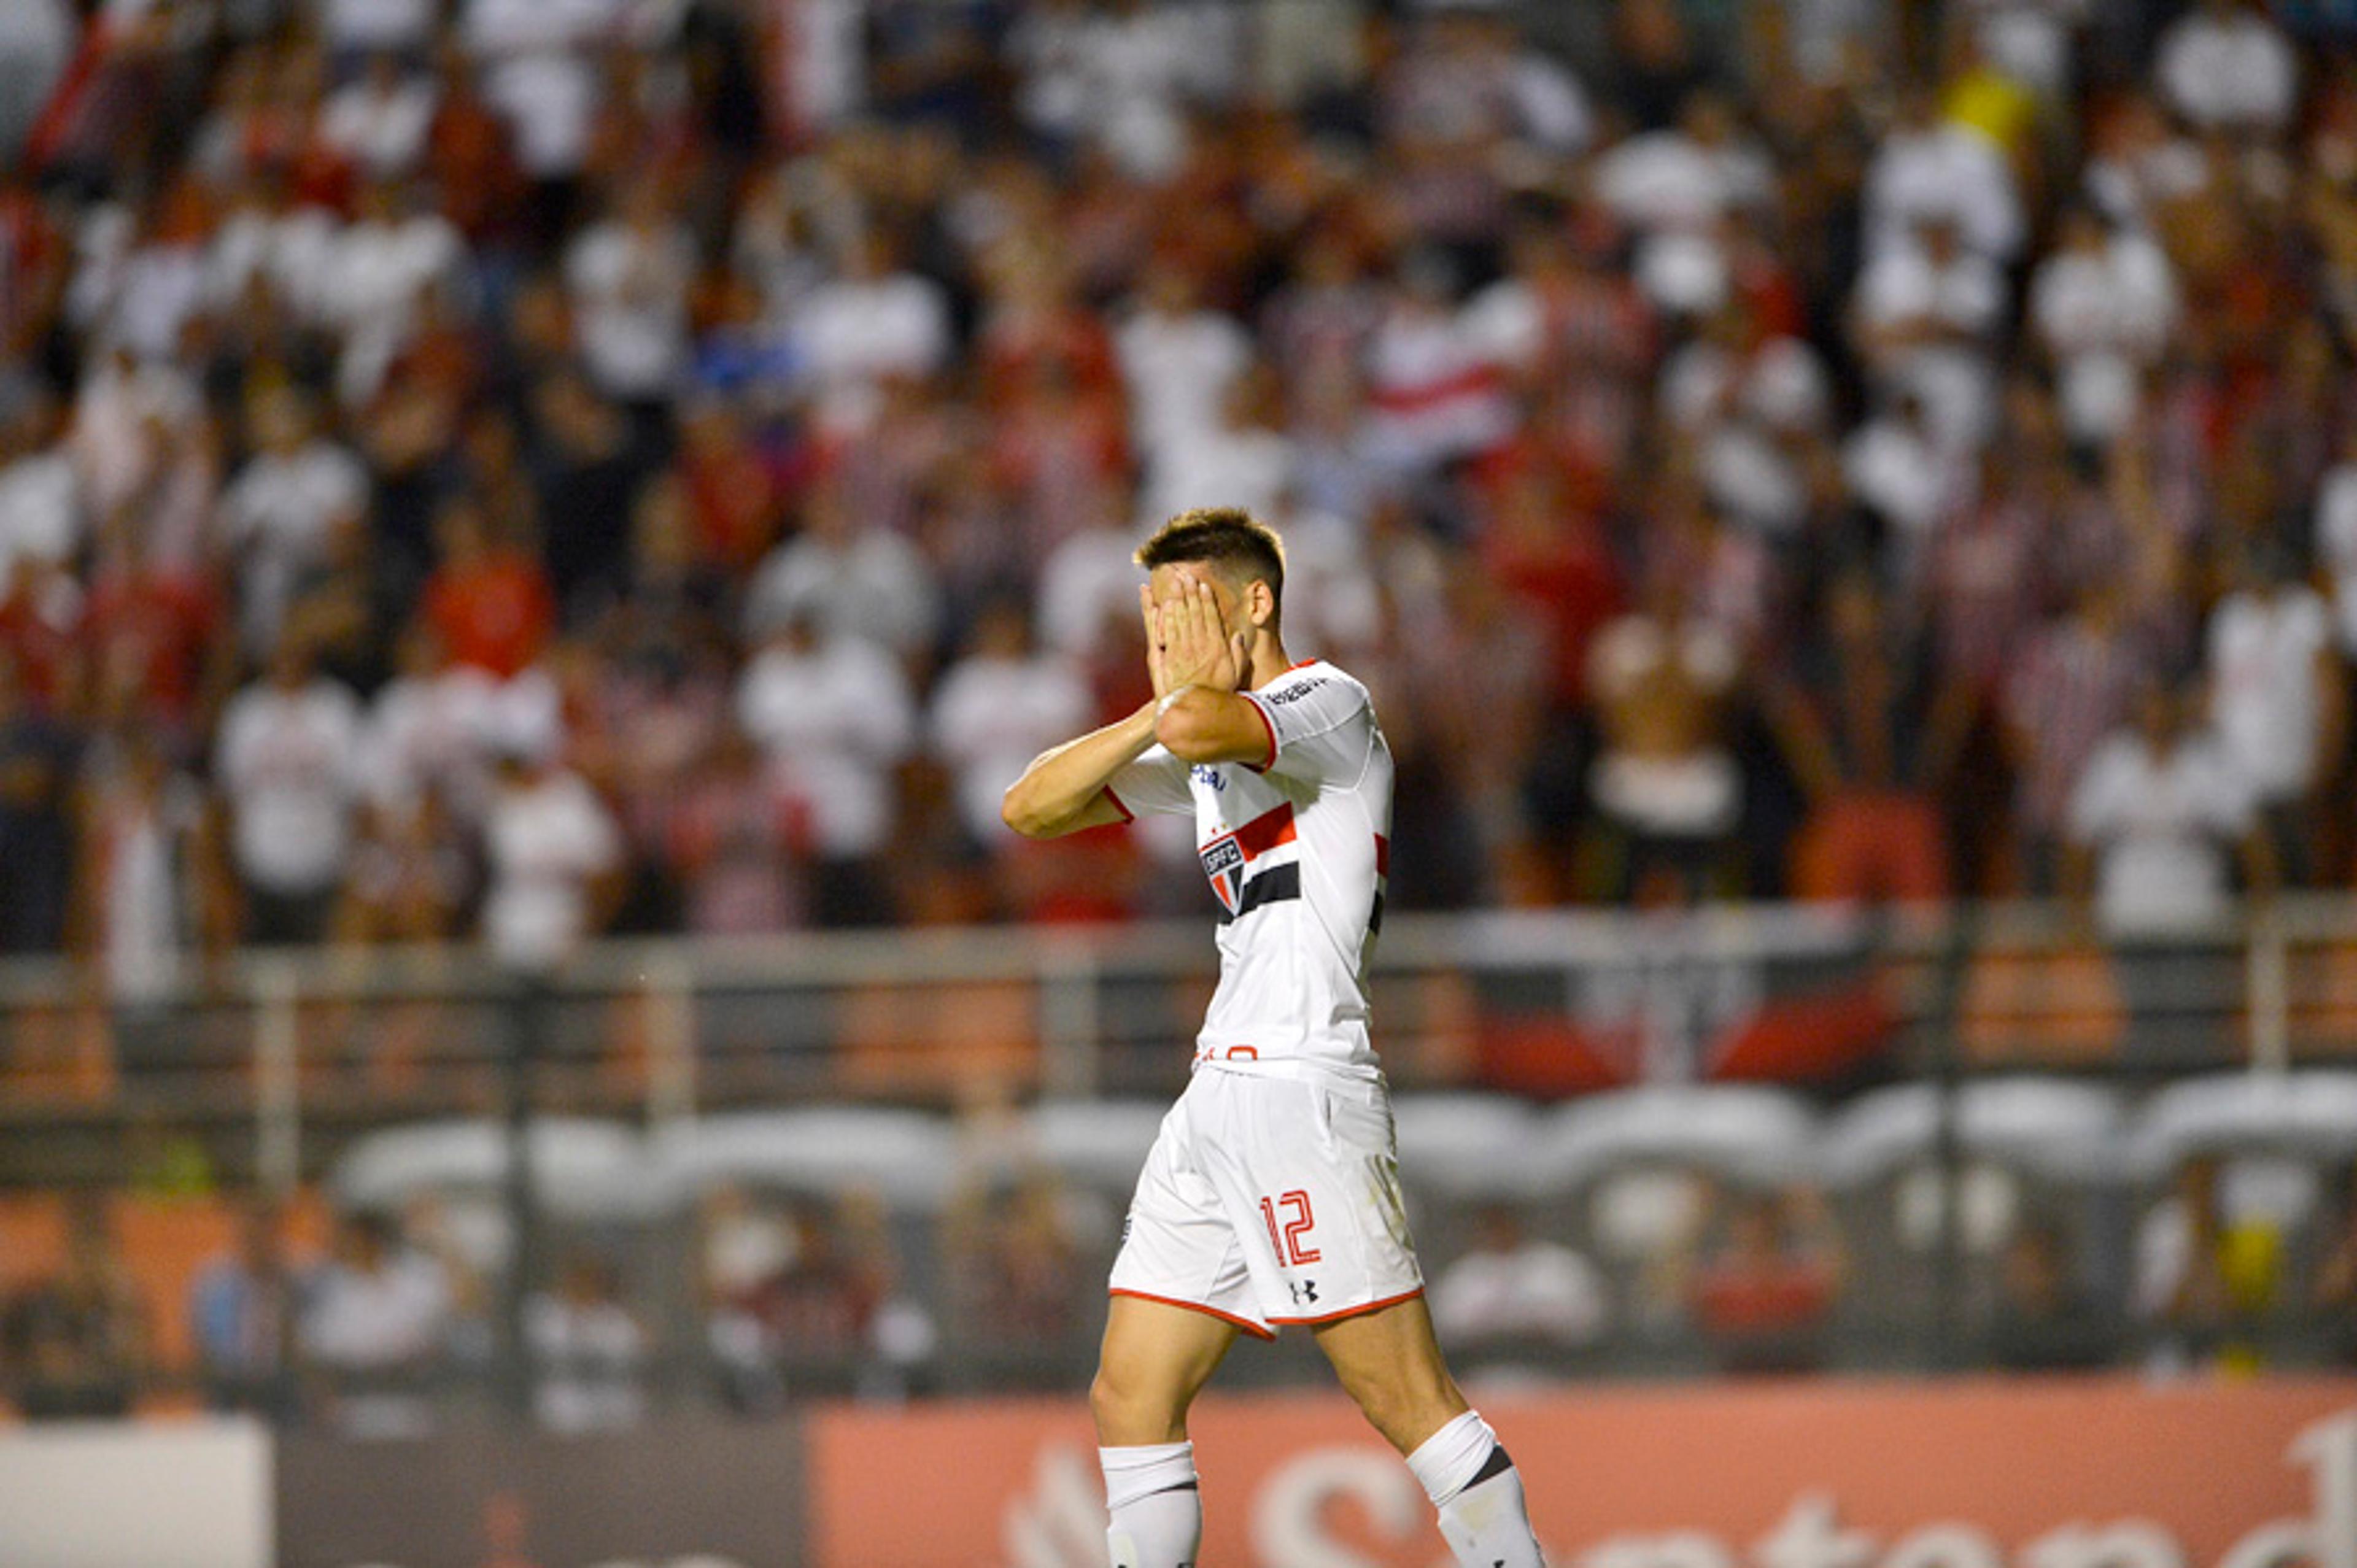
point(1188, 730)
point(1019, 809)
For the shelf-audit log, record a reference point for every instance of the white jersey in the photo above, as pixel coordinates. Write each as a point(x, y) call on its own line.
point(1296, 849)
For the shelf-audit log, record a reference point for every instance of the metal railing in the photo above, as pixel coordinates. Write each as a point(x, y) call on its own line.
point(276, 1062)
point(278, 1055)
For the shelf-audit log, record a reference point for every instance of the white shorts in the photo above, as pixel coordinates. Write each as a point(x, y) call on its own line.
point(1271, 1196)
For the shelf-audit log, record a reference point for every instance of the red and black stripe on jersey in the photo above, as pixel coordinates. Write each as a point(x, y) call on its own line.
point(1227, 863)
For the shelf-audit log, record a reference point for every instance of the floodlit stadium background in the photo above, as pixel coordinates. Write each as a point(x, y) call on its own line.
point(532, 533)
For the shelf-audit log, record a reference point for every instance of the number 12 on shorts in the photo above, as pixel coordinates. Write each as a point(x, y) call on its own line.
point(1286, 1238)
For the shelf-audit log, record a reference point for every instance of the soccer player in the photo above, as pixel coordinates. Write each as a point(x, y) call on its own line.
point(1272, 1195)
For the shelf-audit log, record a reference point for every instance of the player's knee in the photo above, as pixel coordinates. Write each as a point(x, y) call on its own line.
point(1129, 1410)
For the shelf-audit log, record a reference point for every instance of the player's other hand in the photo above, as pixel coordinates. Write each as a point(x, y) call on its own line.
point(1197, 648)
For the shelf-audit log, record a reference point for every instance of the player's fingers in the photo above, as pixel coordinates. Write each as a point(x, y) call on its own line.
point(1207, 615)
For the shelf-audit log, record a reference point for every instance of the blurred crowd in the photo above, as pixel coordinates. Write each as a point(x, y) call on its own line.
point(391, 1321)
point(540, 467)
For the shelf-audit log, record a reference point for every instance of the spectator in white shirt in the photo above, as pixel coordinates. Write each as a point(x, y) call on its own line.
point(353, 28)
point(2139, 164)
point(159, 285)
point(1756, 405)
point(121, 417)
point(1056, 89)
point(383, 262)
point(2153, 827)
point(1336, 577)
point(2154, 819)
point(589, 1352)
point(2227, 68)
point(281, 513)
point(2275, 697)
point(555, 855)
point(380, 121)
point(1130, 70)
point(835, 719)
point(2103, 306)
point(1470, 80)
point(996, 709)
point(876, 320)
point(629, 277)
point(1240, 461)
point(1929, 166)
point(429, 730)
point(151, 882)
point(540, 71)
point(2031, 42)
point(1931, 289)
point(286, 761)
point(377, 1322)
point(1687, 178)
point(287, 245)
point(1509, 1293)
point(1926, 313)
point(1088, 586)
point(41, 505)
point(1735, 372)
point(848, 579)
point(1904, 477)
point(1179, 358)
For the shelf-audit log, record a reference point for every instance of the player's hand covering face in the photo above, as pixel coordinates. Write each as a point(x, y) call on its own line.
point(1188, 643)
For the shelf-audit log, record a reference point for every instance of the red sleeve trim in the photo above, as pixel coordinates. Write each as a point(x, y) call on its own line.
point(1120, 805)
point(1263, 715)
point(1382, 856)
point(1359, 1311)
point(1247, 1324)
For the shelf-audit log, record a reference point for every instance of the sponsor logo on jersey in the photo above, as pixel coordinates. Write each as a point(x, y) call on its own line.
point(1223, 864)
point(1210, 776)
point(1295, 693)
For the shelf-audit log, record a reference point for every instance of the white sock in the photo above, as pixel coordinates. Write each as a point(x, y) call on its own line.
point(1157, 1512)
point(1479, 1492)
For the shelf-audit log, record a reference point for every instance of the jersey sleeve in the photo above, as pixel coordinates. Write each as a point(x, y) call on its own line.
point(1153, 785)
point(1321, 728)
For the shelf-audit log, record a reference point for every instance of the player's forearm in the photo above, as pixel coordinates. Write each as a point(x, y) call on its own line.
point(1055, 793)
point(1206, 726)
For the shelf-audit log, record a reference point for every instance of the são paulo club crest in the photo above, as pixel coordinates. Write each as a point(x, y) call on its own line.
point(1223, 863)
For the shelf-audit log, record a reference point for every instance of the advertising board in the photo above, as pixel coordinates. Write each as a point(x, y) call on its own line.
point(2079, 1474)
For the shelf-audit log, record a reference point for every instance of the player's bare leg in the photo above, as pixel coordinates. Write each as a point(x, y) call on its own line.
point(1155, 1360)
point(1390, 1362)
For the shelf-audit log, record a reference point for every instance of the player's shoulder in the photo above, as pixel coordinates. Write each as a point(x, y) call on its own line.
point(1314, 676)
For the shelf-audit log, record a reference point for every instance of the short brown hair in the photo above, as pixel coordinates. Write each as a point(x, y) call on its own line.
point(1228, 537)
